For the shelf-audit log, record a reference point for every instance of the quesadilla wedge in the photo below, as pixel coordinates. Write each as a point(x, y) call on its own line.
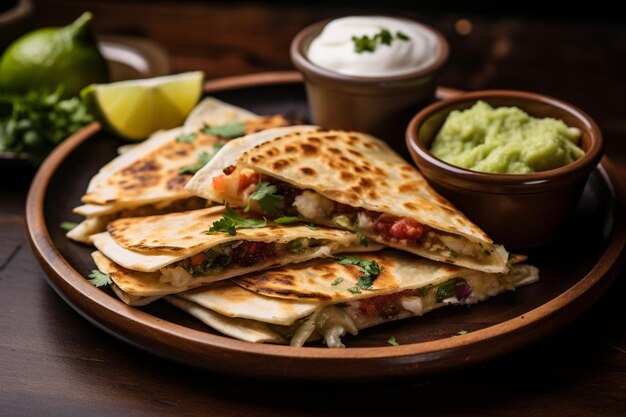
point(149, 178)
point(174, 252)
point(323, 299)
point(347, 180)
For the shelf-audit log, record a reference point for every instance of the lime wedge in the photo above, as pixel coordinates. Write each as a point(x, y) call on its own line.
point(136, 109)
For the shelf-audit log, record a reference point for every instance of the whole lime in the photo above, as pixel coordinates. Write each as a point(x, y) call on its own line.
point(51, 57)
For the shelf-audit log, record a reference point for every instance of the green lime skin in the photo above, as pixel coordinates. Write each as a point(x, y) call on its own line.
point(48, 58)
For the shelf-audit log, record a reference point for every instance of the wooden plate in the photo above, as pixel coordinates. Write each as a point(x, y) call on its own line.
point(574, 272)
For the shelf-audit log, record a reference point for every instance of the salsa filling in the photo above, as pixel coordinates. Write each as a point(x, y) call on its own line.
point(273, 198)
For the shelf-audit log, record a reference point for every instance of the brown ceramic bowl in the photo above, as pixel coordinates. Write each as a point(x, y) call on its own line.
point(519, 211)
point(381, 106)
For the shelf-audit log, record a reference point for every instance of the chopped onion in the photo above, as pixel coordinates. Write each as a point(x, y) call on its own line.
point(312, 205)
point(176, 277)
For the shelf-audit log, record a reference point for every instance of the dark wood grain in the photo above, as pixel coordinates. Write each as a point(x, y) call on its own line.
point(53, 362)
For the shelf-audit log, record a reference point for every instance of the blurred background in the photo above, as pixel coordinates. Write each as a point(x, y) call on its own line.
point(575, 53)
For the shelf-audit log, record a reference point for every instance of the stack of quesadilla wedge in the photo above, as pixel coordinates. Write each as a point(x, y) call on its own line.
point(352, 181)
point(150, 177)
point(324, 298)
point(170, 253)
point(256, 269)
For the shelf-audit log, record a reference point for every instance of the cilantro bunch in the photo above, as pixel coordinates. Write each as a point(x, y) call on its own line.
point(36, 122)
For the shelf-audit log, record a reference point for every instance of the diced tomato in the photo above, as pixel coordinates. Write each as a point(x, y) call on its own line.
point(397, 228)
point(247, 180)
point(219, 184)
point(198, 258)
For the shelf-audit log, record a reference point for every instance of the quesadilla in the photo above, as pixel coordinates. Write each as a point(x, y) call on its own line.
point(348, 180)
point(174, 252)
point(149, 178)
point(327, 298)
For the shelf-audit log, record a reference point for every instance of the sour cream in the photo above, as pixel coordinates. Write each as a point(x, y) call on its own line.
point(412, 47)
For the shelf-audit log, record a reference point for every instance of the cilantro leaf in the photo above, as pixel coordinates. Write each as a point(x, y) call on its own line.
point(363, 241)
point(354, 290)
point(231, 221)
point(287, 220)
point(186, 138)
point(310, 227)
point(266, 195)
point(99, 279)
point(228, 130)
point(365, 43)
point(337, 281)
point(67, 226)
point(203, 158)
point(462, 332)
point(369, 268)
point(393, 342)
point(402, 36)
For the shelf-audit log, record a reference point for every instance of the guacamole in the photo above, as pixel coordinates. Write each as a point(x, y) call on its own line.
point(505, 140)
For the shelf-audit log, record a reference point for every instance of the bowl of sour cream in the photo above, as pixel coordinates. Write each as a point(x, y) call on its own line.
point(369, 73)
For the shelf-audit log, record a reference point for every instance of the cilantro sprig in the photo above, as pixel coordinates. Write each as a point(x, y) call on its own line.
point(231, 221)
point(268, 199)
point(337, 281)
point(370, 270)
point(393, 342)
point(287, 220)
point(35, 122)
point(99, 279)
point(227, 131)
point(186, 138)
point(365, 43)
point(67, 226)
point(203, 158)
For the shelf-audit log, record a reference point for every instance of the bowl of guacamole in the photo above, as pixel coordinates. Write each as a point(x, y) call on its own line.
point(514, 162)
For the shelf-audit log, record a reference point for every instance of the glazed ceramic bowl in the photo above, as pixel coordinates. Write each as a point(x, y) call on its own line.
point(519, 211)
point(381, 106)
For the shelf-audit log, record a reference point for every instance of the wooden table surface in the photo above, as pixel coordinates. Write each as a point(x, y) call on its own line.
point(55, 363)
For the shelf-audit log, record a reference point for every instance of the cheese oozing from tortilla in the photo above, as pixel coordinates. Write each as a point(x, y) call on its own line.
point(331, 321)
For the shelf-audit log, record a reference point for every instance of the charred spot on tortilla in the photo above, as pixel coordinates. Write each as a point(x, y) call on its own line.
point(346, 176)
point(308, 149)
point(307, 171)
point(409, 187)
point(280, 164)
point(290, 149)
point(178, 182)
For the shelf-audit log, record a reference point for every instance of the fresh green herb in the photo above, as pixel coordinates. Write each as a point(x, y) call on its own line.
point(393, 342)
point(186, 138)
point(228, 130)
point(231, 221)
point(67, 226)
point(363, 241)
point(462, 332)
point(99, 279)
point(266, 195)
point(402, 36)
point(310, 227)
point(287, 220)
point(446, 290)
point(354, 290)
point(370, 270)
point(337, 281)
point(35, 122)
point(203, 158)
point(383, 37)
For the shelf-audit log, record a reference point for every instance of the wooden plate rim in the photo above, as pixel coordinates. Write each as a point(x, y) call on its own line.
point(114, 316)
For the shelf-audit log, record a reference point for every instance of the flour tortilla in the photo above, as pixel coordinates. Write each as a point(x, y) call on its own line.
point(357, 170)
point(146, 245)
point(145, 179)
point(305, 290)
